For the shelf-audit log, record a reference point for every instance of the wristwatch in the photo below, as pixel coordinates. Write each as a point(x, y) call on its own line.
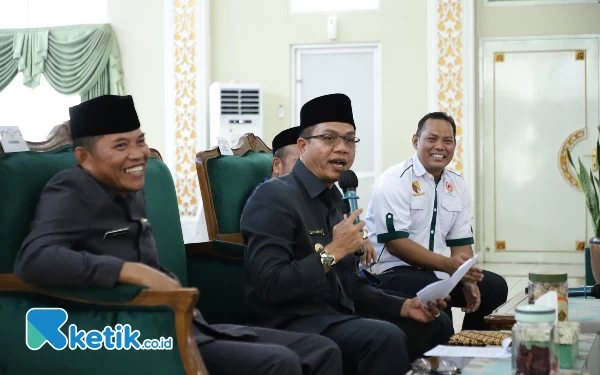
point(327, 259)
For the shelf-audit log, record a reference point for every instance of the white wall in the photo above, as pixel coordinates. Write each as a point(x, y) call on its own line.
point(251, 41)
point(536, 20)
point(139, 27)
point(517, 21)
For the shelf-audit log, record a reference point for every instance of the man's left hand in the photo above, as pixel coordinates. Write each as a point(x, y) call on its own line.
point(472, 296)
point(369, 257)
point(414, 309)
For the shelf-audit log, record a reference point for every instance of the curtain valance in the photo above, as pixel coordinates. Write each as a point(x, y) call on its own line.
point(75, 60)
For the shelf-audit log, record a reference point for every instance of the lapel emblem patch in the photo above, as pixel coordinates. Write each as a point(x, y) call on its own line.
point(417, 189)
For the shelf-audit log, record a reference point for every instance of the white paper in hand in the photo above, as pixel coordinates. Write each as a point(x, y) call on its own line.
point(441, 289)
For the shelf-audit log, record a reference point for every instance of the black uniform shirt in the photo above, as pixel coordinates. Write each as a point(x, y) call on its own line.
point(285, 280)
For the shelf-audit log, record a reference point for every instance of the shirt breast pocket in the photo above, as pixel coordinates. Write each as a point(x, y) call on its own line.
point(317, 238)
point(451, 207)
point(418, 213)
point(120, 242)
point(121, 246)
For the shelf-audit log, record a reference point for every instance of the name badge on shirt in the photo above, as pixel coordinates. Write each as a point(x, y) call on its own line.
point(316, 232)
point(116, 232)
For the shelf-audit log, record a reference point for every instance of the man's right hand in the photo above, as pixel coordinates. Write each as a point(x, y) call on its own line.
point(347, 237)
point(414, 309)
point(370, 256)
point(474, 275)
point(141, 274)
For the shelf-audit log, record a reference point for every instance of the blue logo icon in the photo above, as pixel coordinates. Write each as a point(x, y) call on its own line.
point(43, 326)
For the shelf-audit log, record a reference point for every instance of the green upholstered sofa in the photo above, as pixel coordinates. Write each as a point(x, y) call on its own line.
point(154, 313)
point(226, 182)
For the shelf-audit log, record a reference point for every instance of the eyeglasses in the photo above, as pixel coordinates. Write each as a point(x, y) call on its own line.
point(334, 140)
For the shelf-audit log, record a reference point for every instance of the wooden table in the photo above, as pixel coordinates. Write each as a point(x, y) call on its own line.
point(587, 362)
point(503, 318)
point(586, 311)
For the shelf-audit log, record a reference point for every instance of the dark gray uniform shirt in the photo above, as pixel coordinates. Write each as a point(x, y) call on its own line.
point(82, 234)
point(286, 285)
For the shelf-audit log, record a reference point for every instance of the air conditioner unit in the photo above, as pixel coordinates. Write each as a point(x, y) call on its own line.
point(235, 109)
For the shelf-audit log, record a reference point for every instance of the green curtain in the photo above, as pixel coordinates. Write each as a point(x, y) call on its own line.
point(75, 60)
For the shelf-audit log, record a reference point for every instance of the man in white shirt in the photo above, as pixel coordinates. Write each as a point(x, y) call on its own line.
point(419, 208)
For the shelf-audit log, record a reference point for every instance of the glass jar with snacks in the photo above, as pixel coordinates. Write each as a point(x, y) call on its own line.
point(535, 341)
point(540, 284)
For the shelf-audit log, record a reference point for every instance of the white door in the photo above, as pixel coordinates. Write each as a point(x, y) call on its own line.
point(353, 70)
point(538, 96)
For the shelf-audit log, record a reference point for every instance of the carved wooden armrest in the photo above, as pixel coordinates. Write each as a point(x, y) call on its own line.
point(182, 301)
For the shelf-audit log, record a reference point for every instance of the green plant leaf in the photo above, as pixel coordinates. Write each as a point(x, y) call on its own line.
point(571, 160)
point(595, 203)
point(598, 158)
point(586, 183)
point(589, 185)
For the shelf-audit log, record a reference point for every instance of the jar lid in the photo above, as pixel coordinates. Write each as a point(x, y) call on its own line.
point(535, 314)
point(548, 277)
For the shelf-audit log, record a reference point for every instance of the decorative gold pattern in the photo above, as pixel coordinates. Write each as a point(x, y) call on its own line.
point(580, 245)
point(186, 182)
point(500, 245)
point(563, 162)
point(450, 70)
point(498, 57)
point(579, 55)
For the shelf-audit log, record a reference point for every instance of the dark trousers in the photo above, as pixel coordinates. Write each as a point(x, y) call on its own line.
point(410, 280)
point(371, 346)
point(273, 352)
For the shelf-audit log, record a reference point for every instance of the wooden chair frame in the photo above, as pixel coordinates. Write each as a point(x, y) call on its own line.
point(248, 142)
point(182, 301)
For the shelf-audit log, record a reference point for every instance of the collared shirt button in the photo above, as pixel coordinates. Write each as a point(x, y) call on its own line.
point(432, 231)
